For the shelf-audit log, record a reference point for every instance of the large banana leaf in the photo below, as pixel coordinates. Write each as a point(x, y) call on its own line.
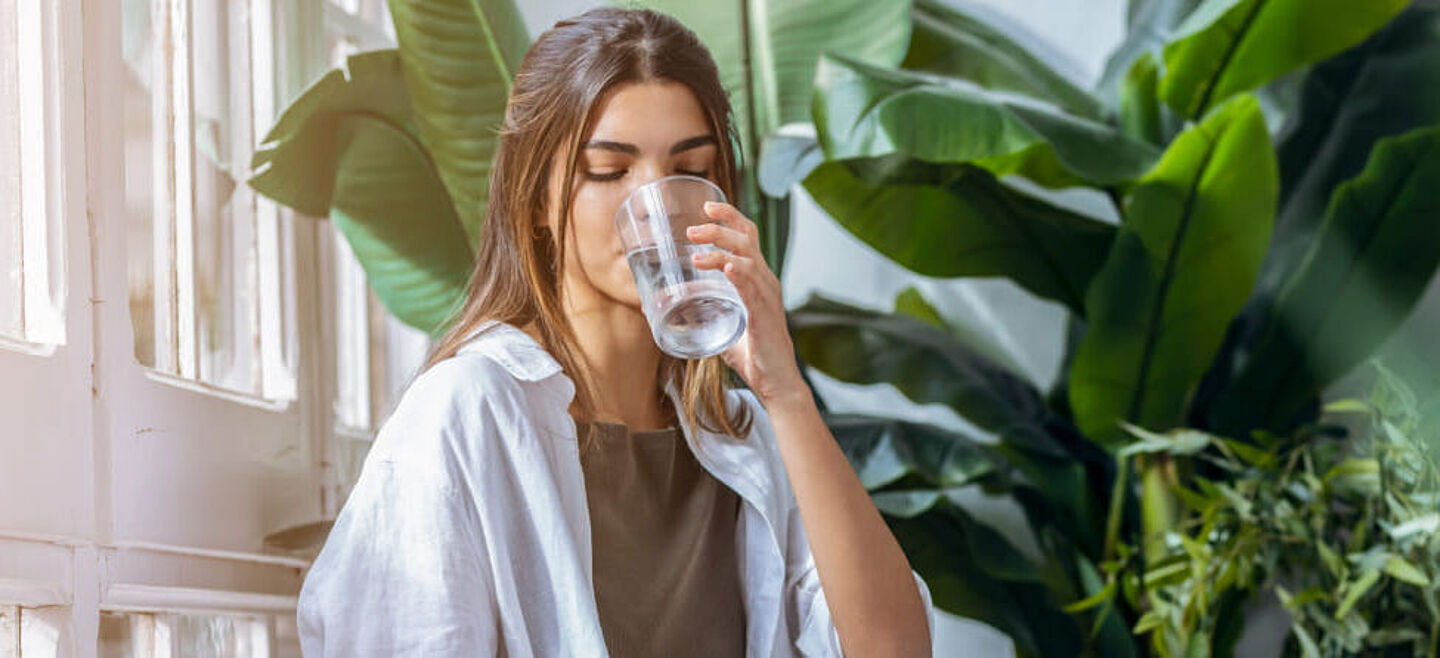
point(347, 149)
point(785, 38)
point(414, 254)
point(950, 41)
point(1386, 86)
point(966, 564)
point(1230, 46)
point(460, 57)
point(866, 111)
point(1183, 264)
point(910, 469)
point(1373, 256)
point(925, 363)
point(958, 220)
point(928, 364)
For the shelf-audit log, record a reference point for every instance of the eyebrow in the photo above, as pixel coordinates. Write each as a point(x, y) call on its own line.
point(622, 147)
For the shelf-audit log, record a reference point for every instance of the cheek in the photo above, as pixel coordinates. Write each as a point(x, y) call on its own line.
point(600, 249)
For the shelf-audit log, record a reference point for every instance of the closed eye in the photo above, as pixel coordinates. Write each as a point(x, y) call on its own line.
point(617, 175)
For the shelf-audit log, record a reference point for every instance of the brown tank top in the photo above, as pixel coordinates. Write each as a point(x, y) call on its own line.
point(667, 578)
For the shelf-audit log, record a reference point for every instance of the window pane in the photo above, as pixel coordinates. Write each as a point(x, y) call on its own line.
point(11, 285)
point(220, 637)
point(210, 275)
point(40, 631)
point(224, 258)
point(9, 632)
point(142, 114)
point(147, 635)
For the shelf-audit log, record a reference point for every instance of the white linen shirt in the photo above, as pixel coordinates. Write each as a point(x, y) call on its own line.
point(467, 532)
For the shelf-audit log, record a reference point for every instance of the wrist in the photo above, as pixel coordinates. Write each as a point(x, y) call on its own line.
point(795, 395)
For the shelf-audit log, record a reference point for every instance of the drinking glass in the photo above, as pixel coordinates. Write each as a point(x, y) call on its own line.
point(692, 312)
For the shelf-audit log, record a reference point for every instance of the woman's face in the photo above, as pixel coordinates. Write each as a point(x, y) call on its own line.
point(643, 131)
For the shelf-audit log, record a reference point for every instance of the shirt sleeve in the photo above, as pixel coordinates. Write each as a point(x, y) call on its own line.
point(816, 635)
point(405, 570)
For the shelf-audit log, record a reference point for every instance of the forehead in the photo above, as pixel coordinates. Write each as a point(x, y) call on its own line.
point(652, 115)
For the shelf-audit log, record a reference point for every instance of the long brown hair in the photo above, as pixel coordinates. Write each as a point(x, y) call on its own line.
point(519, 265)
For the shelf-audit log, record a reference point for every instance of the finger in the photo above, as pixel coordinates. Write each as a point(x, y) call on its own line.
point(732, 217)
point(754, 273)
point(723, 237)
point(711, 260)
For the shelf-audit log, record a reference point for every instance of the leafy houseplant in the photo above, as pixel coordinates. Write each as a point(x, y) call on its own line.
point(1345, 532)
point(1248, 272)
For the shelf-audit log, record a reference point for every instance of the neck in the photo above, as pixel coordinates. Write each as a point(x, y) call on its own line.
point(623, 360)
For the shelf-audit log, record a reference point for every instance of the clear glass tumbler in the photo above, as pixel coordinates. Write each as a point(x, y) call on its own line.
point(693, 312)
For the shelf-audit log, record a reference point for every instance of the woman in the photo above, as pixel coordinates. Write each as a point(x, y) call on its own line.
point(554, 485)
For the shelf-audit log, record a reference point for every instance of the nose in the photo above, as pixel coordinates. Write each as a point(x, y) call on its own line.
point(647, 172)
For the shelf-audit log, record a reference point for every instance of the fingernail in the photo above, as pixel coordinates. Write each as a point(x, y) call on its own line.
point(693, 230)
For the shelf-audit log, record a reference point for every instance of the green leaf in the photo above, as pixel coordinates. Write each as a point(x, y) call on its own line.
point(296, 163)
point(1399, 569)
point(867, 111)
point(957, 220)
point(885, 450)
point(1178, 442)
point(1094, 600)
point(1308, 648)
point(1140, 115)
point(1374, 255)
point(1184, 263)
point(409, 243)
point(968, 566)
point(950, 41)
point(786, 38)
point(1226, 47)
point(912, 303)
point(1355, 589)
point(460, 58)
point(346, 149)
point(1388, 85)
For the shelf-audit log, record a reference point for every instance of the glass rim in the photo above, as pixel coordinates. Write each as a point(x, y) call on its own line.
point(623, 213)
point(679, 177)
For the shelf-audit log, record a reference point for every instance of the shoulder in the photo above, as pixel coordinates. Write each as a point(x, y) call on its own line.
point(460, 385)
point(497, 370)
point(462, 399)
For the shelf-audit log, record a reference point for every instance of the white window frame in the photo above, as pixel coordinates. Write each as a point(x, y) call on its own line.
point(42, 256)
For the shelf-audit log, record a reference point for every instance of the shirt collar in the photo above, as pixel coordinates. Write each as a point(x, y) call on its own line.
point(736, 463)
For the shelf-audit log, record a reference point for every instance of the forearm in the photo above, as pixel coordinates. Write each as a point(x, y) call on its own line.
point(872, 596)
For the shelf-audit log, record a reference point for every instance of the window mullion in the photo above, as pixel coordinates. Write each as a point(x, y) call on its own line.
point(276, 380)
point(163, 295)
point(187, 328)
point(34, 268)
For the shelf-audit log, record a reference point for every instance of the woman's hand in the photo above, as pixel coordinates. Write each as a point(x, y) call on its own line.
point(764, 356)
